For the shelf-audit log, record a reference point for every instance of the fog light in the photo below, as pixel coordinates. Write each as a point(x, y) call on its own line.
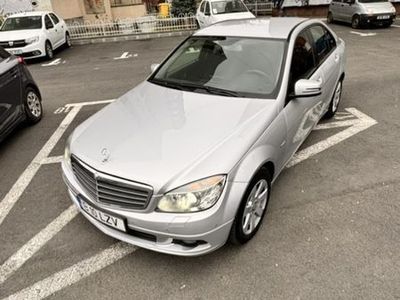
point(37, 52)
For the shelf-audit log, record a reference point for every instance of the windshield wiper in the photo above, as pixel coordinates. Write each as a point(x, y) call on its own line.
point(186, 86)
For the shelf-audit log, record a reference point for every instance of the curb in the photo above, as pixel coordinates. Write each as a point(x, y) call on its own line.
point(132, 37)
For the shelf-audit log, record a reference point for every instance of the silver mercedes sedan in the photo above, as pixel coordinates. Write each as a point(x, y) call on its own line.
point(184, 162)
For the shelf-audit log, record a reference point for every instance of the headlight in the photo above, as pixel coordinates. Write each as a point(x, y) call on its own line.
point(195, 196)
point(67, 152)
point(32, 40)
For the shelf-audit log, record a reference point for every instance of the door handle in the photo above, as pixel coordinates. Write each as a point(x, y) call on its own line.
point(337, 57)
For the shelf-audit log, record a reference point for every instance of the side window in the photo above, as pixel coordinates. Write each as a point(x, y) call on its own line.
point(207, 11)
point(203, 4)
point(323, 41)
point(54, 18)
point(48, 22)
point(303, 62)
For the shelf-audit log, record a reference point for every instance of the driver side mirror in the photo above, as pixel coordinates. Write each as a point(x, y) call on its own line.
point(154, 67)
point(307, 88)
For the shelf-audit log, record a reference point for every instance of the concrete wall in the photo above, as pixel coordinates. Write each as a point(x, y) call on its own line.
point(133, 11)
point(68, 9)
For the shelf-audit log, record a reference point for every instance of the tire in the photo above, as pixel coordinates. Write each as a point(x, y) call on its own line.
point(355, 22)
point(49, 50)
point(387, 24)
point(337, 95)
point(68, 42)
point(251, 213)
point(329, 18)
point(33, 106)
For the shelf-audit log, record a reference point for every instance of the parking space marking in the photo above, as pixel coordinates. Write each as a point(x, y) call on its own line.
point(26, 177)
point(66, 108)
point(125, 55)
point(397, 26)
point(36, 243)
point(360, 124)
point(363, 34)
point(54, 62)
point(52, 160)
point(75, 273)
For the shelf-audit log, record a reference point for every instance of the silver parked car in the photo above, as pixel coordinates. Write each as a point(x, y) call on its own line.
point(362, 12)
point(186, 159)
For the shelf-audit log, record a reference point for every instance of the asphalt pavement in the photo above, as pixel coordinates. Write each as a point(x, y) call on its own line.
point(332, 229)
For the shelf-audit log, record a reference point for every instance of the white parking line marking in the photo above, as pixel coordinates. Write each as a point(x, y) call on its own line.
point(23, 181)
point(397, 26)
point(124, 55)
point(363, 34)
point(54, 62)
point(363, 122)
point(90, 103)
point(75, 273)
point(52, 160)
point(35, 244)
point(331, 125)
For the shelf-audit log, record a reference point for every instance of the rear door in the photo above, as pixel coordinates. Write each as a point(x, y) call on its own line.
point(336, 8)
point(200, 14)
point(10, 91)
point(348, 10)
point(302, 114)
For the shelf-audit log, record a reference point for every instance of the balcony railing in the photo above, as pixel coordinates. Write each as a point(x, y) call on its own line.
point(116, 3)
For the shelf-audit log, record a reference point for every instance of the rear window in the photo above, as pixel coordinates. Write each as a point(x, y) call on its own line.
point(22, 23)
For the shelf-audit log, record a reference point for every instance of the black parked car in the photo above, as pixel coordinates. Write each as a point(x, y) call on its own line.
point(20, 98)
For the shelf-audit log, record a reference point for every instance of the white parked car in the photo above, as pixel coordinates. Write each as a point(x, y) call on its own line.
point(213, 11)
point(34, 34)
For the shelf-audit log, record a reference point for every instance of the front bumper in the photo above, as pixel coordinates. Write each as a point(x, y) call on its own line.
point(178, 234)
point(34, 50)
point(378, 18)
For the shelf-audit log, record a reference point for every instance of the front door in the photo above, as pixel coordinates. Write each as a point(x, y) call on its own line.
point(51, 31)
point(10, 91)
point(302, 114)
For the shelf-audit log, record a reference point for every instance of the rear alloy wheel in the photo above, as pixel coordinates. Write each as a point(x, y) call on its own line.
point(49, 50)
point(355, 22)
point(68, 42)
point(329, 18)
point(337, 95)
point(252, 209)
point(33, 106)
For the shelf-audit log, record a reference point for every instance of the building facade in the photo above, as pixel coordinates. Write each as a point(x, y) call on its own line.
point(91, 10)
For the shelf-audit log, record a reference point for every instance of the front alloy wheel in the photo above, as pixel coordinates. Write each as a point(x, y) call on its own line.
point(252, 209)
point(49, 50)
point(33, 106)
point(337, 95)
point(355, 22)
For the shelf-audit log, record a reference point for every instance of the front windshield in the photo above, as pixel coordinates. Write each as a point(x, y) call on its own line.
point(227, 7)
point(22, 23)
point(371, 1)
point(230, 66)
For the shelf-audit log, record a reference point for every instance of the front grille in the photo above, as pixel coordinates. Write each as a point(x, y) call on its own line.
point(15, 44)
point(111, 190)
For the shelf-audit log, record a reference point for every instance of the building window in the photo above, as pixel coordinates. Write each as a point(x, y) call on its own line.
point(115, 3)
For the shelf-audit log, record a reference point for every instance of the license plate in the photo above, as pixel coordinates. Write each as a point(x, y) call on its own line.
point(103, 217)
point(383, 17)
point(15, 52)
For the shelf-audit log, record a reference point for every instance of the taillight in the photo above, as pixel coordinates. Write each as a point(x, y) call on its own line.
point(21, 60)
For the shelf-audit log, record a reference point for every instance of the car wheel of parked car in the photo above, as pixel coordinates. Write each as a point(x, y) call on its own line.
point(355, 22)
point(387, 24)
point(329, 18)
point(252, 209)
point(33, 106)
point(68, 42)
point(49, 50)
point(337, 95)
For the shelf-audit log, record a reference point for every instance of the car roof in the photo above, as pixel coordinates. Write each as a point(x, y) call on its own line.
point(276, 28)
point(29, 14)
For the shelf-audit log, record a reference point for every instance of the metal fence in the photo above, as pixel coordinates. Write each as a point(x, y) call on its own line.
point(147, 24)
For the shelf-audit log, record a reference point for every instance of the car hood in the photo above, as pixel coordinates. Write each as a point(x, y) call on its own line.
point(15, 35)
point(379, 7)
point(166, 137)
point(233, 16)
